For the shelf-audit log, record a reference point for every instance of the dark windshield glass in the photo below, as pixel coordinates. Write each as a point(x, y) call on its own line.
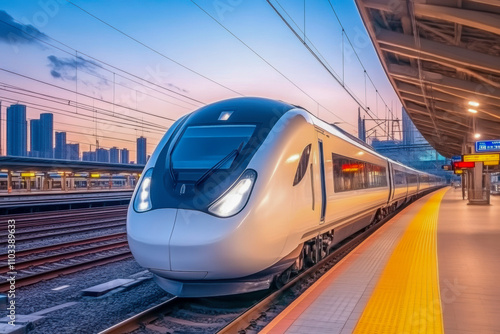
point(201, 147)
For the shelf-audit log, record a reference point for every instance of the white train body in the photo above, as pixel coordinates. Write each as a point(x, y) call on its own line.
point(294, 182)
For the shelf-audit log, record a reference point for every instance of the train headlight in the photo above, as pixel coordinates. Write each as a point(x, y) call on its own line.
point(142, 200)
point(236, 198)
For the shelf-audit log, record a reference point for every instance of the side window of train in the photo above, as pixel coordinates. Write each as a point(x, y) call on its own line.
point(303, 163)
point(353, 174)
point(399, 177)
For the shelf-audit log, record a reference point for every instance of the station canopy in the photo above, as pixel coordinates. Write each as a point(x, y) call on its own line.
point(58, 165)
point(442, 58)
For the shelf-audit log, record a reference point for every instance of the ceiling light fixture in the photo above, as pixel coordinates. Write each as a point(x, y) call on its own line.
point(474, 111)
point(474, 103)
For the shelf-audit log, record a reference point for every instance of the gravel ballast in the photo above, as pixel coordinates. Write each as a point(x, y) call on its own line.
point(89, 314)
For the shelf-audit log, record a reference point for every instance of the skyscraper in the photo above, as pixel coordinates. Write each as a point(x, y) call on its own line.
point(141, 150)
point(114, 155)
point(102, 155)
point(47, 135)
point(411, 135)
point(60, 150)
point(35, 147)
point(73, 151)
point(16, 130)
point(124, 156)
point(89, 156)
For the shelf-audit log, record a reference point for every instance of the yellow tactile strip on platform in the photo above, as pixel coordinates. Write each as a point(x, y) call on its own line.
point(406, 298)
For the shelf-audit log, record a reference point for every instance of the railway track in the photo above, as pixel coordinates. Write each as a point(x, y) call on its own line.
point(48, 261)
point(63, 216)
point(31, 235)
point(33, 251)
point(236, 314)
point(39, 264)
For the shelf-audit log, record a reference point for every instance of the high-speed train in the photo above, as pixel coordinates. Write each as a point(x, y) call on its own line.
point(243, 191)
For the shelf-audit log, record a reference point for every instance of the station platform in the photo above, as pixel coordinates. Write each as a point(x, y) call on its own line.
point(433, 268)
point(59, 200)
point(34, 192)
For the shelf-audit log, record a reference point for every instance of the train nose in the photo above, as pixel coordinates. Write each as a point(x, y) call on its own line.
point(148, 236)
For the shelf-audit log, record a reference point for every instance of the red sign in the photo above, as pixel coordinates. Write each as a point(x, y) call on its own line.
point(462, 164)
point(351, 167)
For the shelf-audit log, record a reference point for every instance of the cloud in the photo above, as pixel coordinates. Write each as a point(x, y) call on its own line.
point(65, 68)
point(55, 74)
point(12, 32)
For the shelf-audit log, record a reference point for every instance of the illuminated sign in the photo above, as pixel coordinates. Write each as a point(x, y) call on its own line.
point(447, 167)
point(351, 167)
point(491, 163)
point(459, 171)
point(488, 146)
point(96, 175)
point(456, 158)
point(28, 174)
point(463, 164)
point(481, 157)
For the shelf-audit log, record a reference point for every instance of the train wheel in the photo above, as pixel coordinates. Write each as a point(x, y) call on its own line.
point(282, 279)
point(309, 255)
point(299, 263)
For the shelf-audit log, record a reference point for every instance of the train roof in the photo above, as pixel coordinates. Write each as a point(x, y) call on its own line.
point(244, 110)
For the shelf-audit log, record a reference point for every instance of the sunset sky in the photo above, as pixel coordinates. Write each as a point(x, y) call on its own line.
point(115, 70)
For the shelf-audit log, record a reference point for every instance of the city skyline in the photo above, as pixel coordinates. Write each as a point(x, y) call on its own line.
point(45, 143)
point(104, 86)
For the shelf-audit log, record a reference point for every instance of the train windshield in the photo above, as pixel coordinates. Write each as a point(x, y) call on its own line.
point(202, 147)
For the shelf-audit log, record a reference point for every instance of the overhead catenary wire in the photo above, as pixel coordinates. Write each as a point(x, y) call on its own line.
point(357, 55)
point(318, 57)
point(93, 143)
point(88, 118)
point(25, 33)
point(68, 102)
point(153, 49)
point(85, 95)
point(267, 62)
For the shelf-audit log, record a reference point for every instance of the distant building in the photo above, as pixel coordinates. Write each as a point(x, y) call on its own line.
point(411, 135)
point(16, 130)
point(102, 155)
point(124, 156)
point(60, 152)
point(47, 135)
point(114, 155)
point(73, 151)
point(35, 145)
point(361, 127)
point(141, 151)
point(413, 150)
point(89, 156)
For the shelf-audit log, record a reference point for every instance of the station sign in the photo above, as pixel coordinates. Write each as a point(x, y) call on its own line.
point(95, 175)
point(447, 167)
point(459, 171)
point(481, 157)
point(456, 158)
point(463, 164)
point(28, 174)
point(488, 146)
point(491, 163)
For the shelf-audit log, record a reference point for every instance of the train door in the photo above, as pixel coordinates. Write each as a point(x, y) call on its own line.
point(322, 178)
point(392, 183)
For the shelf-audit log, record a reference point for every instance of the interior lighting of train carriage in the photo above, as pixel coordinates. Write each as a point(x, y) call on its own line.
point(351, 167)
